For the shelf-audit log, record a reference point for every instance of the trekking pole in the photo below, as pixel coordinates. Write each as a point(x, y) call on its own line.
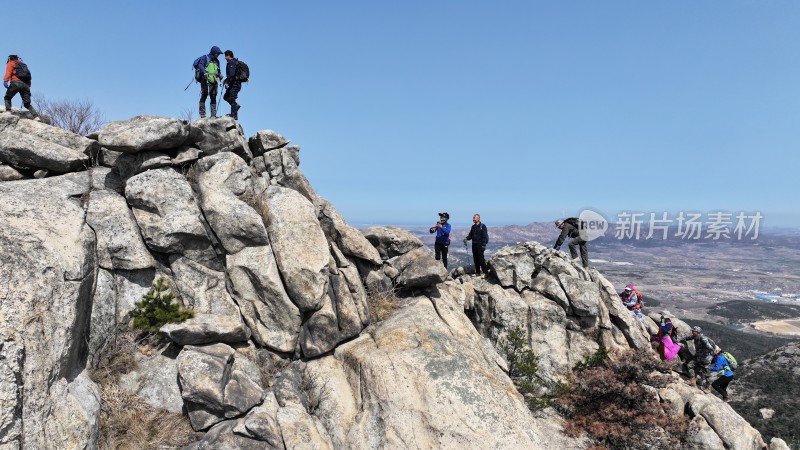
point(190, 83)
point(221, 91)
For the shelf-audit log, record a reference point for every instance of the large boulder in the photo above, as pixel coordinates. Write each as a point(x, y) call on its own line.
point(223, 180)
point(48, 268)
point(222, 134)
point(299, 245)
point(391, 241)
point(145, 133)
point(417, 269)
point(280, 167)
point(154, 380)
point(34, 144)
point(349, 240)
point(424, 372)
point(266, 140)
point(202, 289)
point(27, 150)
point(130, 164)
point(119, 243)
point(266, 307)
point(207, 329)
point(217, 382)
point(168, 216)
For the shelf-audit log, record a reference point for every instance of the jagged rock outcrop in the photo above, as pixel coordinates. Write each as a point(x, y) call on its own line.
point(284, 350)
point(32, 144)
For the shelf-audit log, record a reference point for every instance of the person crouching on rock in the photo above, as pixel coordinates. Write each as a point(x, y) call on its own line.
point(633, 301)
point(723, 366)
point(442, 230)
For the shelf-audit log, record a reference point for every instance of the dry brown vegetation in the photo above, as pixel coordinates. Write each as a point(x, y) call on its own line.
point(127, 422)
point(382, 304)
point(610, 401)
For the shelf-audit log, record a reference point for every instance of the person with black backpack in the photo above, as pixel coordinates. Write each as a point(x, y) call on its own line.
point(18, 80)
point(570, 227)
point(206, 72)
point(236, 72)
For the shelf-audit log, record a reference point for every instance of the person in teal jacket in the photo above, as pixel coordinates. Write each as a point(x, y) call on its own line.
point(720, 364)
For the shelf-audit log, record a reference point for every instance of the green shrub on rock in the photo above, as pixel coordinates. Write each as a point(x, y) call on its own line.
point(156, 309)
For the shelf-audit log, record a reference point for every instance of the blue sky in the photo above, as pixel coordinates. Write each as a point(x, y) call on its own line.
point(521, 111)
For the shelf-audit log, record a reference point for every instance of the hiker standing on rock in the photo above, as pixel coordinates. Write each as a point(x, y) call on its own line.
point(442, 230)
point(570, 227)
point(206, 72)
point(479, 236)
point(17, 80)
point(696, 366)
point(233, 83)
point(723, 366)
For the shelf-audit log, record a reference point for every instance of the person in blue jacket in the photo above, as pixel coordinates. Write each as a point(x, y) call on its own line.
point(442, 230)
point(209, 81)
point(720, 364)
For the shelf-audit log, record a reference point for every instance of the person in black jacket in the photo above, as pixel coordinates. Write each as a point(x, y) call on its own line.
point(569, 228)
point(232, 83)
point(480, 237)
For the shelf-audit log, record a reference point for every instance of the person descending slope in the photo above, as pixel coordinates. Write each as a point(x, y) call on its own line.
point(570, 227)
point(17, 80)
point(206, 72)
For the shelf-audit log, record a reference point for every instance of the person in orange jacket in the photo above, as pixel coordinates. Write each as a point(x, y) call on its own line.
point(17, 80)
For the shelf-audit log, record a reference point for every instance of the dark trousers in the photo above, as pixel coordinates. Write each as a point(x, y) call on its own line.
point(578, 242)
point(477, 258)
point(721, 385)
point(24, 91)
point(441, 252)
point(208, 89)
point(695, 365)
point(231, 94)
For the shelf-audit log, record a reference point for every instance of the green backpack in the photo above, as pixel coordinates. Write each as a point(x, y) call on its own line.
point(212, 72)
point(731, 360)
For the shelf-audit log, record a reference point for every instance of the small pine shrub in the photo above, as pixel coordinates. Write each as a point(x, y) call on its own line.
point(156, 309)
point(523, 369)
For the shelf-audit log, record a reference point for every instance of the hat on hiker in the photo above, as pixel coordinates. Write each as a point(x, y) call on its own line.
point(697, 329)
point(445, 215)
point(559, 222)
point(215, 51)
point(628, 287)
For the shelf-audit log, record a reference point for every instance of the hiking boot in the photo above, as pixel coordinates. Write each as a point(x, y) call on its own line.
point(213, 110)
point(693, 382)
point(202, 110)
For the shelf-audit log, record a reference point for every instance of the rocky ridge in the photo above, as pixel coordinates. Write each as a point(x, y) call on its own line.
point(284, 351)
